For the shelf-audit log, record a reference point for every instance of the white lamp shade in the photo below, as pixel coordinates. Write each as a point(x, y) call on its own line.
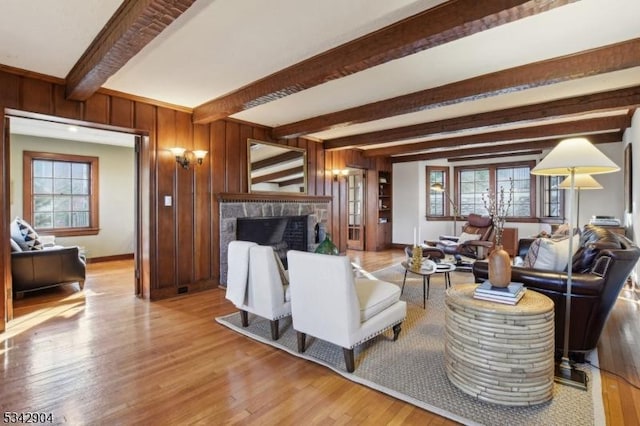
point(577, 154)
point(437, 187)
point(582, 181)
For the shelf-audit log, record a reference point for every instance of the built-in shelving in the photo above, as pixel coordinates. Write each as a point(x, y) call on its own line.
point(384, 210)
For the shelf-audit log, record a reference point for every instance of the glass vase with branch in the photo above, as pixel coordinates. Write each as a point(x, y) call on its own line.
point(498, 204)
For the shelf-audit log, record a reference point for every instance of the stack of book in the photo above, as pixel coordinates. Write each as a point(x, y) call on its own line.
point(509, 295)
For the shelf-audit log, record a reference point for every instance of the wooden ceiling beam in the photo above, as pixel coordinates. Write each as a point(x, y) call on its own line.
point(576, 106)
point(602, 60)
point(447, 22)
point(616, 122)
point(131, 28)
point(490, 156)
point(508, 147)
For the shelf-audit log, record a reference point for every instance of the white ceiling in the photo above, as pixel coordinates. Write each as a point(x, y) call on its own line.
point(48, 129)
point(218, 46)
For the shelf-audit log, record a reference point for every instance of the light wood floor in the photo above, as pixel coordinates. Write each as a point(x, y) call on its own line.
point(102, 356)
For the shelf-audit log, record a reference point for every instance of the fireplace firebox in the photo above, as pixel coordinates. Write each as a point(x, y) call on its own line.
point(283, 233)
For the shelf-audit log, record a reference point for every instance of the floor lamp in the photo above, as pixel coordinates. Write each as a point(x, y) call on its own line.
point(582, 181)
point(438, 187)
point(571, 157)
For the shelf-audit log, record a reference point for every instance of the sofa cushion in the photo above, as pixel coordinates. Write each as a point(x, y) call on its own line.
point(23, 234)
point(464, 237)
point(594, 239)
point(375, 296)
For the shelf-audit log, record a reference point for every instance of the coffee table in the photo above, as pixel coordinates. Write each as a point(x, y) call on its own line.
point(424, 273)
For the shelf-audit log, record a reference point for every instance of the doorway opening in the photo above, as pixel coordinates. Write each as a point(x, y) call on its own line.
point(118, 211)
point(356, 209)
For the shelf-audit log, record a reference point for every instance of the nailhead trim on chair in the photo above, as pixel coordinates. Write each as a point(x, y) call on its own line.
point(377, 333)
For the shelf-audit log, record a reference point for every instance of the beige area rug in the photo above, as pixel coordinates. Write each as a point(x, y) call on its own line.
point(412, 368)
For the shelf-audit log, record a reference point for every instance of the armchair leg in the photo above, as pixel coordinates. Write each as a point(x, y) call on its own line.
point(81, 284)
point(244, 316)
point(301, 341)
point(348, 359)
point(275, 331)
point(396, 331)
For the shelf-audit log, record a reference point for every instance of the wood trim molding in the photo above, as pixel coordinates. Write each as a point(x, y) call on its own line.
point(125, 256)
point(144, 100)
point(433, 27)
point(231, 197)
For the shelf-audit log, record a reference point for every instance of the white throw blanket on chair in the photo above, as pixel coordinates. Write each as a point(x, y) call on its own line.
point(238, 272)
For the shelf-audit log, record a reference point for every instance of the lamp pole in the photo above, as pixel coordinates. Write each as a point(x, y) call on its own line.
point(571, 156)
point(455, 211)
point(438, 187)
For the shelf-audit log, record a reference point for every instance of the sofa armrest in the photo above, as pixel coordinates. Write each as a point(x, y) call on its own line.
point(584, 284)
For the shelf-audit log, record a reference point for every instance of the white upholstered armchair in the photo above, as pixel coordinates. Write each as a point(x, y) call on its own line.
point(329, 304)
point(254, 284)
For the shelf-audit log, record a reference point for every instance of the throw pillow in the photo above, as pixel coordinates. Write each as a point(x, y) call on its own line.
point(593, 240)
point(561, 252)
point(532, 254)
point(548, 254)
point(26, 237)
point(464, 237)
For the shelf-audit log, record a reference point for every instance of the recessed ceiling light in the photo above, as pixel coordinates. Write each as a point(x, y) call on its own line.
point(72, 129)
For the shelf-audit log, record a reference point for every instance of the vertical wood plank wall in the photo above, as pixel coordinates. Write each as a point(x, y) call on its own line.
point(180, 246)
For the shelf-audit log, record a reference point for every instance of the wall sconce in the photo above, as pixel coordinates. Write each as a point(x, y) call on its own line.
point(338, 172)
point(183, 157)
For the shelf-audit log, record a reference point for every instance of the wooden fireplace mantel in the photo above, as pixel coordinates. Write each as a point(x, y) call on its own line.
point(270, 197)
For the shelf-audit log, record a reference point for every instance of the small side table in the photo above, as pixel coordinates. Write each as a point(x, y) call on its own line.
point(445, 268)
point(500, 353)
point(425, 273)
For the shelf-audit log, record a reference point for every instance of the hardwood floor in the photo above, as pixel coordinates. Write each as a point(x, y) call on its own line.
point(103, 356)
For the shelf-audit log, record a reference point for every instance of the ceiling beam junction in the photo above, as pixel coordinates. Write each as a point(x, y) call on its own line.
point(575, 106)
point(616, 122)
point(611, 58)
point(444, 23)
point(508, 147)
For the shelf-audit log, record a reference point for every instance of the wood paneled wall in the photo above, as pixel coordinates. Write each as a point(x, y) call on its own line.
point(179, 244)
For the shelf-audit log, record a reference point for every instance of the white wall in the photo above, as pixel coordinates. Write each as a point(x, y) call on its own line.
point(632, 220)
point(409, 196)
point(117, 195)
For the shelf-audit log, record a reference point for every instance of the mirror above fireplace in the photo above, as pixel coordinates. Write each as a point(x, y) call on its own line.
point(276, 168)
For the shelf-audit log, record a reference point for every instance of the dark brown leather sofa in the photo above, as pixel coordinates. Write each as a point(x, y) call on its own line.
point(38, 269)
point(601, 266)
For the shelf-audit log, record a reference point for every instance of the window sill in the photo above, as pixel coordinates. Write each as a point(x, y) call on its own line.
point(69, 232)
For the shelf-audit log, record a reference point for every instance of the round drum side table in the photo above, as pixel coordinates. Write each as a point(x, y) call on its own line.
point(500, 353)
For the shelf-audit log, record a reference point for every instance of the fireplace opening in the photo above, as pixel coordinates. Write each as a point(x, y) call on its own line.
point(283, 233)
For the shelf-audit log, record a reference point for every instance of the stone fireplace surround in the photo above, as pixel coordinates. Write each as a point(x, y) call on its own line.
point(235, 205)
